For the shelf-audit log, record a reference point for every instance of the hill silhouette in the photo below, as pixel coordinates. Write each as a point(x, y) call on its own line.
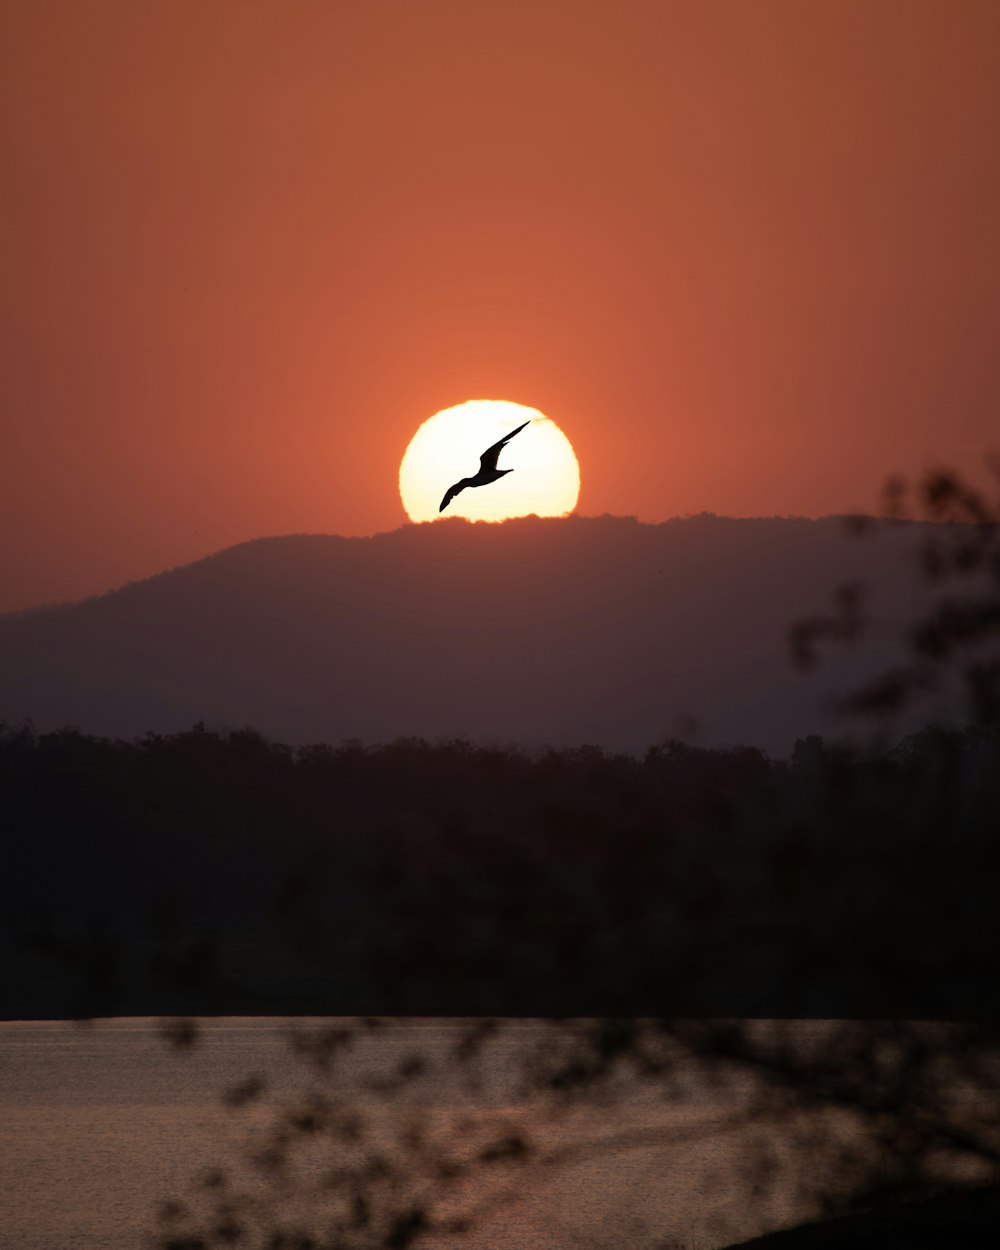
point(461, 878)
point(537, 631)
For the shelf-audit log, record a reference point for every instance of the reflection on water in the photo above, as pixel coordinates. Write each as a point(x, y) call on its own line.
point(100, 1124)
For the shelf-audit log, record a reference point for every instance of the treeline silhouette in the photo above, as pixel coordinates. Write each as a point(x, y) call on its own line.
point(218, 871)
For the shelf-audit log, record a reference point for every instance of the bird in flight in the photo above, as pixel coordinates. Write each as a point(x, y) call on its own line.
point(488, 471)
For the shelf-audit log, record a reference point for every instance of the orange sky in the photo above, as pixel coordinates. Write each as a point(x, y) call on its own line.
point(746, 254)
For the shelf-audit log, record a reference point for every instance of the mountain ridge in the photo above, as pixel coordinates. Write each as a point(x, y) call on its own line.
point(536, 630)
point(409, 527)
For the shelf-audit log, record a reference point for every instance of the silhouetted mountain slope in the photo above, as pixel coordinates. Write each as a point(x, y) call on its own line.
point(536, 631)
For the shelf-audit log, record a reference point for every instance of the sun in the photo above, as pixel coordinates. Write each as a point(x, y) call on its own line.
point(545, 477)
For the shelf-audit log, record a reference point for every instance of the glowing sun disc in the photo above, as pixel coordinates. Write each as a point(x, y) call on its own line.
point(545, 477)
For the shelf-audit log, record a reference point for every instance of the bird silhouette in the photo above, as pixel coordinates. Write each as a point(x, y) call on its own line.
point(488, 471)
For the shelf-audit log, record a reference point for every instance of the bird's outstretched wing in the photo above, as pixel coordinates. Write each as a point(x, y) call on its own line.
point(488, 460)
point(451, 492)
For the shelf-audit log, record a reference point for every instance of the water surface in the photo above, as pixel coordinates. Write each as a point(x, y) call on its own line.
point(101, 1124)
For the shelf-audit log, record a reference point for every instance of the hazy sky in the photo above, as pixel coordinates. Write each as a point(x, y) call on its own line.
point(747, 255)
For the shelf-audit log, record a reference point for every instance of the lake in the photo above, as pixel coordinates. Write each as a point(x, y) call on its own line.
point(103, 1124)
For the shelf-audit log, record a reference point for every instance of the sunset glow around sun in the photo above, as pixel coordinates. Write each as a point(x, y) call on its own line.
point(545, 480)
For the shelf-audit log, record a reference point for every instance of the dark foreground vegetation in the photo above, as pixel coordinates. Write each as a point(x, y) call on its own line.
point(969, 1220)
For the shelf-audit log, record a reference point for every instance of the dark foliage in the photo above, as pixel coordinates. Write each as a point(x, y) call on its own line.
point(217, 871)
